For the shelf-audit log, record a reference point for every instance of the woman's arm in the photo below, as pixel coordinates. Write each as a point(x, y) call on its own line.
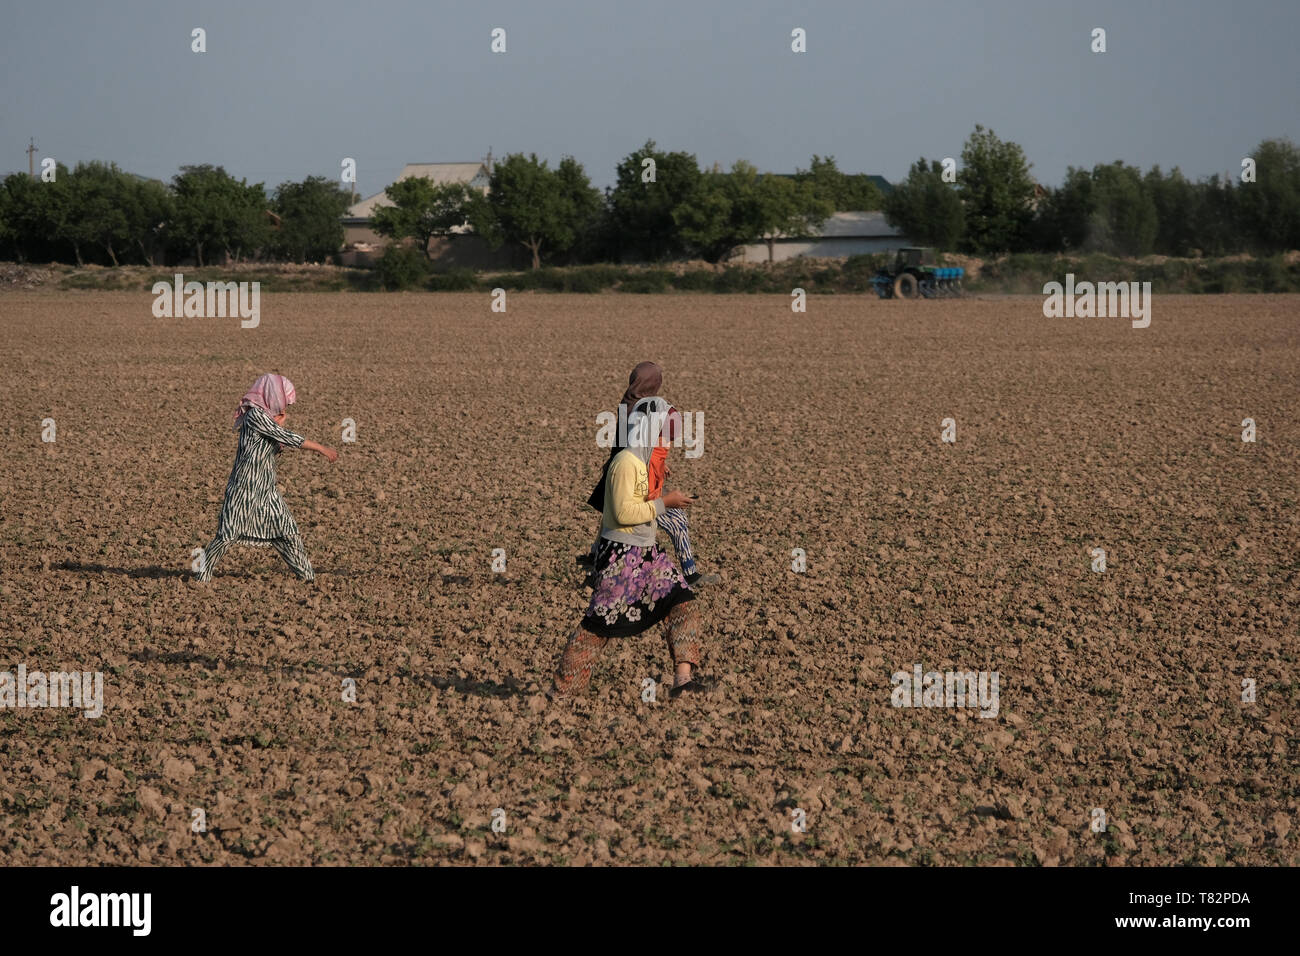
point(629, 507)
point(266, 426)
point(330, 453)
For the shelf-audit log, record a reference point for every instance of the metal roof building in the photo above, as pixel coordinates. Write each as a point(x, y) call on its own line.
point(842, 235)
point(473, 175)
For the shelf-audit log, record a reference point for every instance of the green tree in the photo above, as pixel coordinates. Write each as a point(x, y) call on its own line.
point(531, 204)
point(98, 197)
point(703, 221)
point(150, 208)
point(250, 232)
point(1269, 208)
point(57, 208)
point(309, 214)
point(787, 208)
point(722, 214)
point(401, 267)
point(586, 208)
point(1123, 215)
point(1219, 229)
point(997, 193)
point(643, 215)
point(37, 215)
point(1064, 216)
point(422, 210)
point(20, 205)
point(1175, 201)
point(215, 211)
point(739, 207)
point(844, 192)
point(927, 209)
point(7, 233)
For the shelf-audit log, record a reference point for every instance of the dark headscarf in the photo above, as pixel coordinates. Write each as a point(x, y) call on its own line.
point(644, 382)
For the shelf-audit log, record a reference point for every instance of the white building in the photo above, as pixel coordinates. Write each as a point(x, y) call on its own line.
point(357, 221)
point(844, 234)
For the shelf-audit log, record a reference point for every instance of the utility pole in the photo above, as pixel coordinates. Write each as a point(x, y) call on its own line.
point(31, 152)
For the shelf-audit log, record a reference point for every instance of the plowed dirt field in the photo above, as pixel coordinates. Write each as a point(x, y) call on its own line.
point(1124, 692)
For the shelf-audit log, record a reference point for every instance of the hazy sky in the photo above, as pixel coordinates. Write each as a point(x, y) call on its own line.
point(288, 89)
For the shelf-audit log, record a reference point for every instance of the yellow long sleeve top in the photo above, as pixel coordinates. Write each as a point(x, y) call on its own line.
point(629, 518)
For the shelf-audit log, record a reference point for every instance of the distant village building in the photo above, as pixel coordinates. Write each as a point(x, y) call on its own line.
point(842, 235)
point(881, 183)
point(361, 244)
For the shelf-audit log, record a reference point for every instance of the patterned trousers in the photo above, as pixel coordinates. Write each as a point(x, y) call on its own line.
point(291, 549)
point(675, 523)
point(681, 630)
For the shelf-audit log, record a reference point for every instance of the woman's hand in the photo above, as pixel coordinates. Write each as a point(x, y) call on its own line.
point(677, 499)
point(668, 472)
point(329, 453)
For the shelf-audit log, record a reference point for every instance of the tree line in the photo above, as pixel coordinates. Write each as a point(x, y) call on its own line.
point(97, 213)
point(662, 206)
point(666, 208)
point(994, 206)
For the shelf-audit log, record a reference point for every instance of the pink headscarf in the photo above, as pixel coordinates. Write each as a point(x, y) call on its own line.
point(272, 393)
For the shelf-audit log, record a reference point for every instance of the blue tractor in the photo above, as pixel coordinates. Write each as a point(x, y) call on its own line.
point(915, 275)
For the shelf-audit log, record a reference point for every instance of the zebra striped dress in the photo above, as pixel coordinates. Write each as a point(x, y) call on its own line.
point(254, 509)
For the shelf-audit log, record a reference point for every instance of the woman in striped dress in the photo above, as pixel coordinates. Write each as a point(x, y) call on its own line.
point(253, 510)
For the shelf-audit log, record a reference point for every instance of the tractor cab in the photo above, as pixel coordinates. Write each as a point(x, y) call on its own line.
point(913, 257)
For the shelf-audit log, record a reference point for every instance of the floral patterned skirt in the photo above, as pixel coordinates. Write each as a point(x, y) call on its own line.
point(635, 589)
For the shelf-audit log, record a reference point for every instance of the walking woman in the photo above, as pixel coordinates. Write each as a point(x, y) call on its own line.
point(253, 510)
point(644, 382)
point(637, 585)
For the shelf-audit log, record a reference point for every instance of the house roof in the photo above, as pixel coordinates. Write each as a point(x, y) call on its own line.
point(849, 225)
point(437, 173)
point(443, 172)
point(858, 225)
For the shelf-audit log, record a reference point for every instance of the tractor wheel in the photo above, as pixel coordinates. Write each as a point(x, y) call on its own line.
point(905, 286)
